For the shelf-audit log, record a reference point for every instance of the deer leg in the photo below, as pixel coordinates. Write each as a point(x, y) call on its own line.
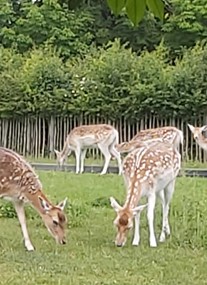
point(19, 207)
point(107, 157)
point(136, 238)
point(169, 190)
point(162, 198)
point(83, 154)
point(150, 217)
point(77, 157)
point(116, 154)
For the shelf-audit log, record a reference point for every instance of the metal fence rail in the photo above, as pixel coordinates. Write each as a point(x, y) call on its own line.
point(189, 172)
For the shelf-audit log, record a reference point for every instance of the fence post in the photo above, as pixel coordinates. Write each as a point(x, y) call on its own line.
point(51, 136)
point(5, 132)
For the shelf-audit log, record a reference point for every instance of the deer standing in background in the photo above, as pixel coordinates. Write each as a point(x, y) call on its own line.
point(19, 184)
point(103, 136)
point(151, 172)
point(167, 134)
point(200, 135)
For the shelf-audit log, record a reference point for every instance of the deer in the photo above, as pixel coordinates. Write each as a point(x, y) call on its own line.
point(103, 136)
point(200, 135)
point(148, 171)
point(20, 184)
point(168, 134)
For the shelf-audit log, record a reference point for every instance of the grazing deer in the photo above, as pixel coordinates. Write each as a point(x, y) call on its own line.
point(19, 184)
point(148, 171)
point(168, 134)
point(200, 135)
point(103, 136)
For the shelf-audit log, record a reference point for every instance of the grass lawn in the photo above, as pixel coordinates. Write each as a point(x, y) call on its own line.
point(90, 256)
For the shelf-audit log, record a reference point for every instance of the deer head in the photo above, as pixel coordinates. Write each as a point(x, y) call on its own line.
point(198, 132)
point(124, 220)
point(129, 146)
point(54, 219)
point(200, 135)
point(61, 157)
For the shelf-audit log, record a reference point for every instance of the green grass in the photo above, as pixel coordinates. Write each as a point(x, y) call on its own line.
point(90, 256)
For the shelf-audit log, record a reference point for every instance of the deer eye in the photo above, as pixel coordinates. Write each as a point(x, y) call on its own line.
point(55, 223)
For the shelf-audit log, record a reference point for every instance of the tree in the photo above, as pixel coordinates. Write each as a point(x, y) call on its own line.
point(187, 25)
point(135, 9)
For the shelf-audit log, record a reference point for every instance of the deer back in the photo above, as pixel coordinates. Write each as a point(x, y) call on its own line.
point(16, 174)
point(89, 135)
point(168, 134)
point(152, 166)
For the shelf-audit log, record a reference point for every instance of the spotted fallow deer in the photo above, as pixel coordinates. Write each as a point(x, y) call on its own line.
point(19, 184)
point(151, 172)
point(167, 134)
point(200, 135)
point(103, 136)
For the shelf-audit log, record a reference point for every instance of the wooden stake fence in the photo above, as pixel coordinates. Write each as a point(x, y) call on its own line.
point(37, 137)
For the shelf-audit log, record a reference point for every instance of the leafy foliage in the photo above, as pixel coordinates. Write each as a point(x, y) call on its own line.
point(71, 32)
point(44, 83)
point(48, 24)
point(25, 26)
point(135, 9)
point(112, 81)
point(107, 27)
point(187, 24)
point(59, 61)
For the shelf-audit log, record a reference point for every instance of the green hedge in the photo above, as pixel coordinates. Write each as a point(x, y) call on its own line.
point(111, 81)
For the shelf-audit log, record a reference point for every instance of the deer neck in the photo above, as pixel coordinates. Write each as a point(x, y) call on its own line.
point(133, 195)
point(66, 148)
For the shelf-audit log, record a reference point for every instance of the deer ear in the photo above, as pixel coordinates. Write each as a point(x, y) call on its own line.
point(56, 152)
point(62, 204)
point(139, 209)
point(115, 204)
point(203, 128)
point(192, 128)
point(44, 204)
